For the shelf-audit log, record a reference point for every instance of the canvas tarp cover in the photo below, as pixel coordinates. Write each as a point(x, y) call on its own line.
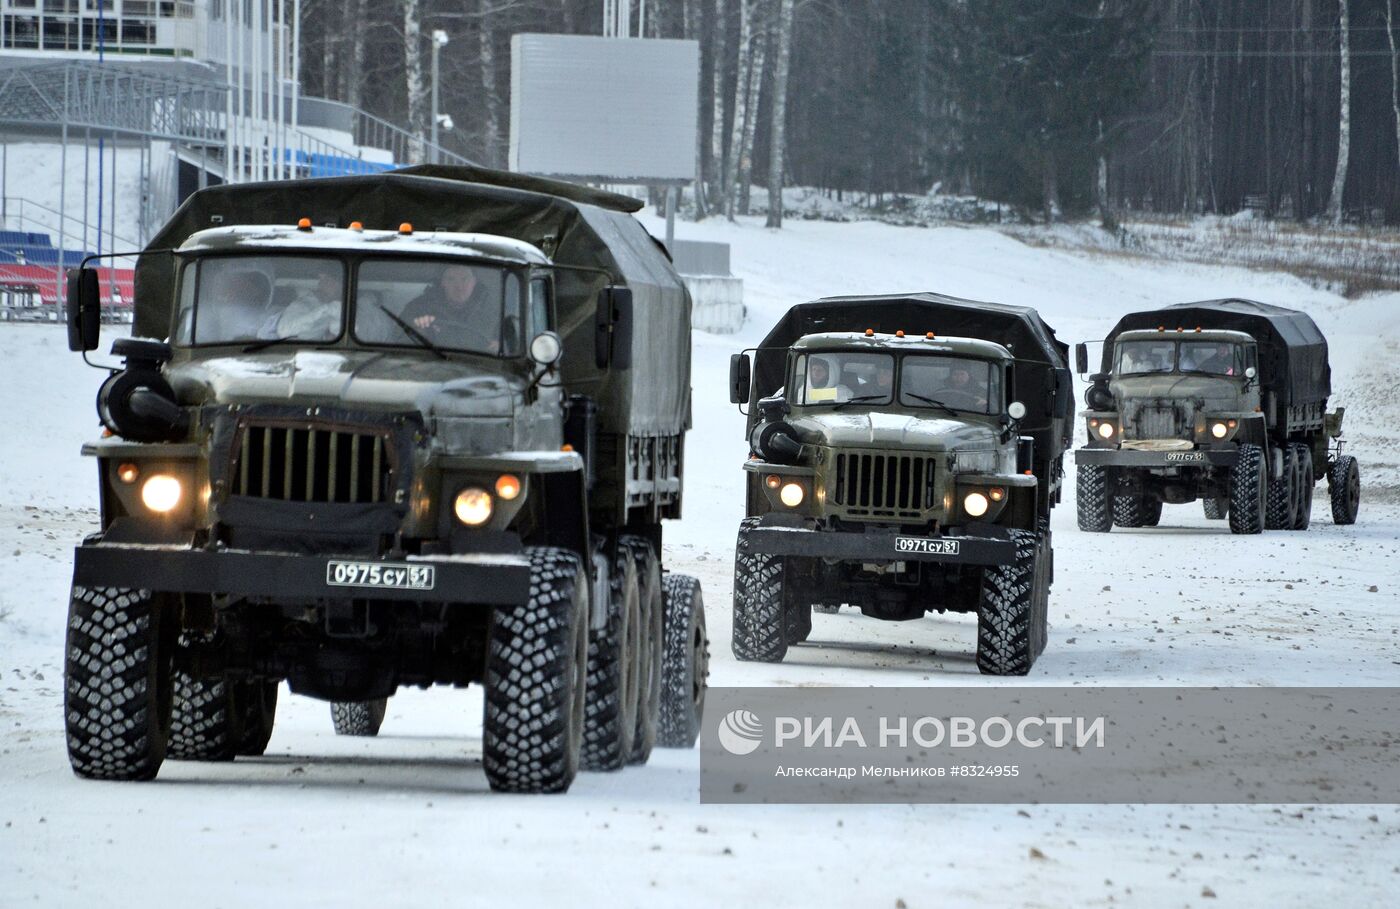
point(1017, 328)
point(651, 398)
point(1292, 352)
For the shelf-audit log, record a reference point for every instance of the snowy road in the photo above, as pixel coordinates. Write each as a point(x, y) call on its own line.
point(407, 819)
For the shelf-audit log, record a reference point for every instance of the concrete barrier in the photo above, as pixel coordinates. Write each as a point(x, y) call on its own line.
point(717, 303)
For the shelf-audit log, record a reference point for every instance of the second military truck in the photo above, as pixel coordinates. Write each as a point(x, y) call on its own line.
point(1223, 401)
point(906, 452)
point(399, 434)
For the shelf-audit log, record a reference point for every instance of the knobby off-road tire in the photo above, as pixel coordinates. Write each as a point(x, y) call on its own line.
point(117, 686)
point(1248, 483)
point(1303, 497)
point(536, 673)
point(1012, 609)
point(1136, 511)
point(1092, 502)
point(1151, 512)
point(259, 717)
point(1216, 509)
point(1344, 489)
point(797, 622)
point(359, 718)
point(206, 719)
point(1282, 507)
point(759, 631)
point(653, 647)
point(686, 664)
point(614, 651)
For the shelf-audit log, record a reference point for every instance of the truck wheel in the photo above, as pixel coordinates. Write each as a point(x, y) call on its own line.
point(1281, 510)
point(117, 686)
point(259, 716)
point(1136, 511)
point(759, 620)
point(686, 666)
point(1011, 612)
point(614, 651)
point(536, 673)
point(359, 718)
point(1216, 509)
point(653, 647)
point(1344, 488)
point(1091, 499)
point(1302, 511)
point(1248, 483)
point(206, 721)
point(797, 622)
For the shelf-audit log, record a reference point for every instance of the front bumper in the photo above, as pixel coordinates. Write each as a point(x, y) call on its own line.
point(989, 545)
point(486, 579)
point(1119, 457)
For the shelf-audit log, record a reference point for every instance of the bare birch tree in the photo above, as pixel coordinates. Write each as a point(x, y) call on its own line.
point(1394, 72)
point(777, 129)
point(1339, 181)
point(757, 69)
point(490, 95)
point(719, 32)
point(740, 114)
point(413, 77)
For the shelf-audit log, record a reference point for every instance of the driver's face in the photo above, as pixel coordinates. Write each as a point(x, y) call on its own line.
point(885, 377)
point(961, 377)
point(820, 373)
point(458, 282)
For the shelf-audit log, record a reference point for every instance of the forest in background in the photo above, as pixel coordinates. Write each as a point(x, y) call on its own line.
point(1058, 108)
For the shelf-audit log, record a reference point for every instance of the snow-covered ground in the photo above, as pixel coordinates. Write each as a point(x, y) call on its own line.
point(406, 818)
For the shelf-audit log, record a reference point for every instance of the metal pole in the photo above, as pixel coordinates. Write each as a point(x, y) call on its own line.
point(671, 219)
point(62, 187)
point(87, 148)
point(433, 153)
point(296, 67)
point(112, 236)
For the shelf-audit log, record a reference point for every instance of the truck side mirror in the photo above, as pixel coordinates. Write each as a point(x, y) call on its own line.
point(1081, 358)
point(84, 309)
point(740, 378)
point(612, 337)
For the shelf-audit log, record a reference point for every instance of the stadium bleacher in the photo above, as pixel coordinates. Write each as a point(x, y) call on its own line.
point(28, 264)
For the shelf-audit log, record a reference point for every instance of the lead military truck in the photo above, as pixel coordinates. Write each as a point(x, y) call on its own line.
point(906, 452)
point(1223, 401)
point(310, 482)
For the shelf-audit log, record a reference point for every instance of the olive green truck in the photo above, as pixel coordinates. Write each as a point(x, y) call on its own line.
point(1223, 401)
point(400, 430)
point(906, 452)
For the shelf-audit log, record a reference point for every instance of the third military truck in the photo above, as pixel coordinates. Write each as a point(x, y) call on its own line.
point(408, 429)
point(1223, 401)
point(905, 454)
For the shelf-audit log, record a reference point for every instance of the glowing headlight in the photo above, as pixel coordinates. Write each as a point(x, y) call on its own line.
point(1105, 430)
point(473, 506)
point(161, 493)
point(792, 494)
point(1218, 430)
point(975, 504)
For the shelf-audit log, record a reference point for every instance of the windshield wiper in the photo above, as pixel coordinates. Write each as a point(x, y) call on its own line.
point(861, 399)
point(264, 345)
point(413, 333)
point(952, 411)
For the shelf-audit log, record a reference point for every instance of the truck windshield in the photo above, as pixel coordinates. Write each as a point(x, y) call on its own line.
point(231, 299)
point(455, 305)
point(264, 300)
point(836, 377)
point(1220, 358)
point(957, 382)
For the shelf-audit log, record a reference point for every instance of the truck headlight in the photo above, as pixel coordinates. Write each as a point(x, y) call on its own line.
point(1219, 429)
point(161, 493)
point(1106, 430)
point(473, 506)
point(792, 494)
point(975, 504)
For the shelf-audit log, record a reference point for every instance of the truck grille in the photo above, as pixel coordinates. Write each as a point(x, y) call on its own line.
point(313, 464)
point(897, 485)
point(1155, 423)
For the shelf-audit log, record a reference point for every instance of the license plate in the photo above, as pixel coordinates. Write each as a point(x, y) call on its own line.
point(1186, 456)
point(394, 575)
point(927, 547)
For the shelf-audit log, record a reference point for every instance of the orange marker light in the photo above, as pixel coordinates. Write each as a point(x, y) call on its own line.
point(870, 332)
point(773, 481)
point(928, 335)
point(304, 224)
point(507, 486)
point(566, 447)
point(996, 493)
point(1029, 474)
point(356, 225)
point(899, 334)
point(405, 228)
point(128, 473)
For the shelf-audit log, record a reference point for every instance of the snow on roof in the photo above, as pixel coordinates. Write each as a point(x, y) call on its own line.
point(379, 242)
point(976, 347)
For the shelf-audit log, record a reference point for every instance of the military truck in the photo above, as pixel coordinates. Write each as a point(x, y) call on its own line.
point(1223, 401)
point(343, 471)
point(906, 451)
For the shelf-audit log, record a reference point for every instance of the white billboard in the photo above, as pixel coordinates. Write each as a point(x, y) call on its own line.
point(617, 109)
